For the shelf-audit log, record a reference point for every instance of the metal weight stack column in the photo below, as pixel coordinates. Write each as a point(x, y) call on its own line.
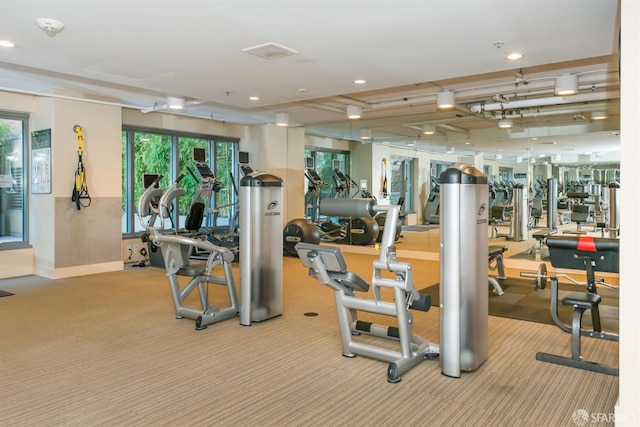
point(552, 204)
point(260, 247)
point(519, 214)
point(464, 296)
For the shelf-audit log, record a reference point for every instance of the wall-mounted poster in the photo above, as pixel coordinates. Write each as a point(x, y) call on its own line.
point(41, 161)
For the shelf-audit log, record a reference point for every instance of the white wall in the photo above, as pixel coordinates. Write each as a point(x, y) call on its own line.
point(628, 407)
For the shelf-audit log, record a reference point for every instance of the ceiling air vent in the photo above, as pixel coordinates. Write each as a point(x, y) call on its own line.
point(270, 50)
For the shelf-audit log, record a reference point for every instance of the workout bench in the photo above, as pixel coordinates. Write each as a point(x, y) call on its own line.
point(541, 237)
point(496, 262)
point(580, 253)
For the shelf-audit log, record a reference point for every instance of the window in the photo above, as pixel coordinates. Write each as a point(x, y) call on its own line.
point(171, 155)
point(402, 181)
point(13, 176)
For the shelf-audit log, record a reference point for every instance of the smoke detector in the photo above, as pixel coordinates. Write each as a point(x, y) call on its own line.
point(50, 26)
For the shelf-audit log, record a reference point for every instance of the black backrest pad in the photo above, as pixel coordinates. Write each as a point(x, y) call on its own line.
point(570, 251)
point(195, 216)
point(331, 256)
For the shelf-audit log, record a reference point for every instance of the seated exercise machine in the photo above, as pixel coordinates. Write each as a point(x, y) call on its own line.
point(498, 215)
point(581, 253)
point(176, 251)
point(328, 266)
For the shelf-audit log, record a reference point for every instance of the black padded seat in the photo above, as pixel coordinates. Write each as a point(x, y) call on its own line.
point(583, 300)
point(350, 280)
point(543, 232)
point(497, 250)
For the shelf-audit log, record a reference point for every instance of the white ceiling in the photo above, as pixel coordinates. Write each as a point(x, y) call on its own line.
point(135, 53)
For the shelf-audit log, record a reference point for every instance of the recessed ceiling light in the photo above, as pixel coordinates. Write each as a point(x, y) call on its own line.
point(360, 81)
point(514, 56)
point(254, 98)
point(6, 43)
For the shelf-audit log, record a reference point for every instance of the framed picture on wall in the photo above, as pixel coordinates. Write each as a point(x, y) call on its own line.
point(41, 161)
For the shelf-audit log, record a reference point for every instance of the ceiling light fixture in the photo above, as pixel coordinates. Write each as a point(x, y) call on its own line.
point(254, 98)
point(519, 159)
point(365, 133)
point(505, 124)
point(50, 26)
point(599, 115)
point(175, 102)
point(411, 143)
point(514, 56)
point(498, 156)
point(6, 43)
point(360, 81)
point(446, 99)
point(566, 84)
point(450, 150)
point(428, 129)
point(354, 112)
point(282, 119)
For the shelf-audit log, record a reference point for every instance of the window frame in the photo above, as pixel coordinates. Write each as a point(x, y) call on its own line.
point(26, 181)
point(128, 174)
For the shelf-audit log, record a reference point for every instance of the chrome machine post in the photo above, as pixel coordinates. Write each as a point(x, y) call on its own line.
point(464, 299)
point(260, 247)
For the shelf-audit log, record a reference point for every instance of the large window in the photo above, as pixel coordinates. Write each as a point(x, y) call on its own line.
point(169, 154)
point(13, 179)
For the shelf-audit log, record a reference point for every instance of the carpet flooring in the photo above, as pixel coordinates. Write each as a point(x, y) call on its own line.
point(521, 301)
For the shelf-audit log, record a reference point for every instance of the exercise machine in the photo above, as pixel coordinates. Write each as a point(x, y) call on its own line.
point(176, 251)
point(201, 211)
point(431, 214)
point(328, 266)
point(360, 230)
point(590, 254)
point(343, 182)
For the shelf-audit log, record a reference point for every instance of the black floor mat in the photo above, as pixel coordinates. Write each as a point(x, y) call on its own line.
point(521, 301)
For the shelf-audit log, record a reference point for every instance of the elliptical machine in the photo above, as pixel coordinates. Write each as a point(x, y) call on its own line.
point(357, 231)
point(431, 214)
point(199, 212)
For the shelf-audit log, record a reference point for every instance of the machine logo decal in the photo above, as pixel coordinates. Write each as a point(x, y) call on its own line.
point(270, 207)
point(483, 207)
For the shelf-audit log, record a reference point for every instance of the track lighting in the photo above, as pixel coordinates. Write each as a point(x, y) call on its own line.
point(428, 129)
point(566, 84)
point(354, 112)
point(365, 133)
point(282, 119)
point(505, 124)
point(446, 99)
point(175, 103)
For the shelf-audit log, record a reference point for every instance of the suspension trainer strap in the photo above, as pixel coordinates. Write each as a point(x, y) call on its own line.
point(80, 193)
